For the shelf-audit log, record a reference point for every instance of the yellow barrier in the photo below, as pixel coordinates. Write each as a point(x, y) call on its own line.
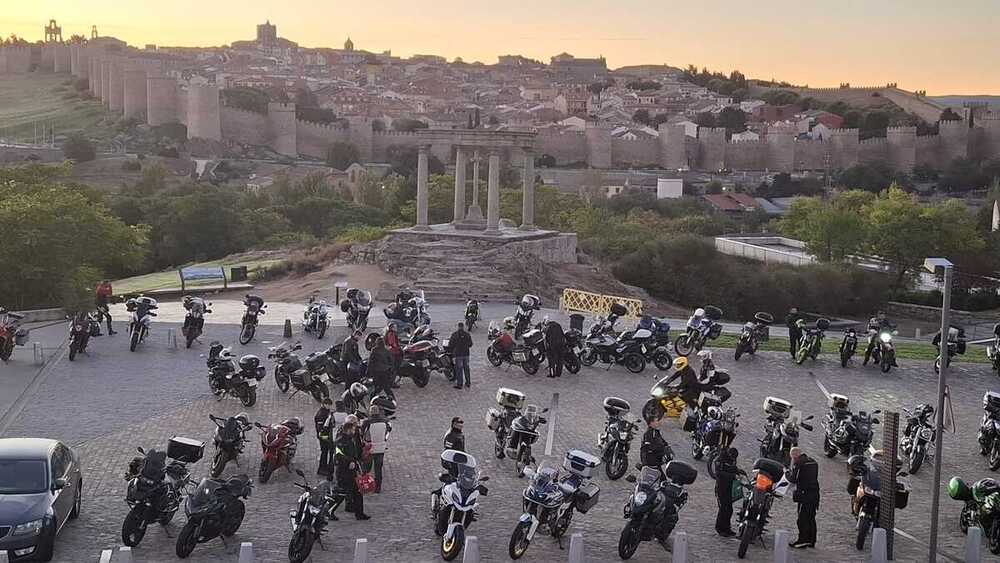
point(575, 300)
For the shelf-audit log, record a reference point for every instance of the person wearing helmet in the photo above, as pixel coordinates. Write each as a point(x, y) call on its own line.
point(325, 425)
point(690, 387)
point(347, 459)
point(876, 325)
point(794, 332)
point(726, 472)
point(655, 451)
point(355, 398)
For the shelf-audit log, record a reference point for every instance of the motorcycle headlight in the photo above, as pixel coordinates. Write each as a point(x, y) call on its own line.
point(640, 498)
point(926, 433)
point(885, 337)
point(623, 436)
point(28, 528)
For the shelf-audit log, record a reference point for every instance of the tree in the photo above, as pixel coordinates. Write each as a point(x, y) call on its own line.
point(831, 232)
point(950, 115)
point(545, 161)
point(340, 155)
point(872, 177)
point(79, 148)
point(705, 119)
point(247, 99)
point(315, 114)
point(733, 119)
point(641, 116)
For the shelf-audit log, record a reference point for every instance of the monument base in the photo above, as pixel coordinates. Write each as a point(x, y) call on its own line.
point(473, 221)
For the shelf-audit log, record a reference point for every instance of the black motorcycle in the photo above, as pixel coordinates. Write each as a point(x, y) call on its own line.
point(848, 346)
point(255, 307)
point(526, 308)
point(316, 317)
point(471, 314)
point(993, 350)
point(602, 345)
point(917, 443)
point(720, 437)
point(653, 337)
point(435, 357)
point(194, 319)
point(767, 483)
point(956, 346)
point(499, 421)
point(229, 439)
point(850, 435)
point(880, 349)
point(652, 508)
point(616, 439)
point(523, 434)
point(781, 430)
point(316, 506)
point(865, 488)
point(214, 509)
point(81, 328)
point(989, 430)
point(224, 379)
point(357, 305)
point(155, 487)
point(753, 333)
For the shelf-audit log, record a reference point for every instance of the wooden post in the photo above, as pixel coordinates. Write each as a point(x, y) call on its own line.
point(887, 507)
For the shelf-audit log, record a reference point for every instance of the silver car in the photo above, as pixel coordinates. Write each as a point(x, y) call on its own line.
point(40, 490)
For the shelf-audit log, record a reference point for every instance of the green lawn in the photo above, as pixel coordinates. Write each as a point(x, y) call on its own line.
point(31, 100)
point(170, 279)
point(904, 350)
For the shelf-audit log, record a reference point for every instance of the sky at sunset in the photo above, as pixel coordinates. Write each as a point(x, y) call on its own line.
point(942, 47)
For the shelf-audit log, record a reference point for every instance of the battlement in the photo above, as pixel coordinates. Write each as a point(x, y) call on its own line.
point(952, 125)
point(845, 132)
point(329, 126)
point(243, 111)
point(554, 134)
point(711, 131)
point(747, 143)
point(280, 106)
point(903, 130)
point(874, 141)
point(394, 134)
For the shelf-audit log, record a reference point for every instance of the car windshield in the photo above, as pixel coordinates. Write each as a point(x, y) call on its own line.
point(22, 477)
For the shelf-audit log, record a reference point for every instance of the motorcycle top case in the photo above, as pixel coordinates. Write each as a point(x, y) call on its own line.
point(823, 324)
point(185, 450)
point(615, 406)
point(580, 463)
point(618, 310)
point(764, 318)
point(533, 337)
point(902, 495)
point(777, 407)
point(681, 472)
point(510, 398)
point(586, 496)
point(712, 312)
point(769, 467)
point(991, 401)
point(316, 361)
point(838, 401)
point(21, 336)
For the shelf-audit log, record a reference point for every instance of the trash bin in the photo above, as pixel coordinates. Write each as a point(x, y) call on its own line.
point(576, 321)
point(238, 273)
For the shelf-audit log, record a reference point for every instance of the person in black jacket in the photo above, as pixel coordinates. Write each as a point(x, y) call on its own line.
point(348, 462)
point(805, 475)
point(555, 344)
point(324, 433)
point(460, 343)
point(794, 333)
point(726, 472)
point(454, 439)
point(655, 451)
point(380, 368)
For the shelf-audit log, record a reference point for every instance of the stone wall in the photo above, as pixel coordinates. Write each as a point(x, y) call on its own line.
point(566, 148)
point(244, 126)
point(560, 249)
point(746, 155)
point(894, 309)
point(282, 128)
point(640, 152)
point(902, 148)
point(712, 144)
point(315, 138)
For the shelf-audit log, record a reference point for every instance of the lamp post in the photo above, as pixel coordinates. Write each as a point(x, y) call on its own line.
point(940, 266)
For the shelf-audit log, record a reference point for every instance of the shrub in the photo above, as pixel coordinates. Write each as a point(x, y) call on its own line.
point(357, 234)
point(131, 165)
point(79, 148)
point(287, 240)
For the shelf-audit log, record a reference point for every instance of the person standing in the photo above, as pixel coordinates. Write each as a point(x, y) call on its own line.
point(348, 461)
point(380, 368)
point(726, 474)
point(794, 332)
point(102, 299)
point(395, 350)
point(454, 439)
point(325, 425)
point(375, 430)
point(555, 343)
point(460, 343)
point(350, 355)
point(805, 475)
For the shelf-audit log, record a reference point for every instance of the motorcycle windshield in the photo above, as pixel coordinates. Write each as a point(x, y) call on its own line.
point(648, 477)
point(467, 477)
point(203, 497)
point(231, 431)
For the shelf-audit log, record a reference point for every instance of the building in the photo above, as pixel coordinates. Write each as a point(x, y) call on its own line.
point(580, 68)
point(572, 102)
point(267, 33)
point(732, 202)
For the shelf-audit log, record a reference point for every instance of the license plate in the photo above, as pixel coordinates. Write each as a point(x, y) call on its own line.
point(520, 357)
point(577, 350)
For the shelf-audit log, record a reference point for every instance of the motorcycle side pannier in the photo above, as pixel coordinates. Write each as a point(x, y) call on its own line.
point(615, 406)
point(316, 362)
point(681, 472)
point(715, 331)
point(618, 310)
point(185, 450)
point(510, 398)
point(580, 463)
point(586, 496)
point(902, 495)
point(21, 336)
point(769, 467)
point(991, 402)
point(492, 419)
point(533, 337)
point(689, 419)
point(838, 401)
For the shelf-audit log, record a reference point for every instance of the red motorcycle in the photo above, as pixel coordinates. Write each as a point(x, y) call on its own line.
point(278, 442)
point(10, 333)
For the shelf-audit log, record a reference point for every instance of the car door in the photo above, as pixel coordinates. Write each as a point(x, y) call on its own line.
point(62, 502)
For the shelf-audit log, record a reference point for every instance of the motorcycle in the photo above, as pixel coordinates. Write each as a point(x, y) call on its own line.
point(549, 501)
point(882, 351)
point(471, 314)
point(848, 346)
point(652, 508)
point(278, 443)
point(407, 313)
point(194, 320)
point(989, 430)
point(82, 326)
point(229, 439)
point(847, 433)
point(781, 431)
point(357, 306)
point(224, 379)
point(142, 311)
point(981, 510)
point(993, 350)
point(701, 327)
point(526, 308)
point(155, 487)
point(918, 437)
point(499, 421)
point(528, 355)
point(255, 307)
point(768, 482)
point(753, 333)
point(214, 509)
point(315, 507)
point(616, 439)
point(315, 318)
point(654, 346)
point(627, 349)
point(811, 342)
point(453, 505)
point(11, 333)
point(865, 486)
point(524, 433)
point(720, 438)
point(956, 345)
point(431, 353)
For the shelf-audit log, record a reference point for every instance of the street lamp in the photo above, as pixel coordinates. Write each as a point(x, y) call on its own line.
point(940, 266)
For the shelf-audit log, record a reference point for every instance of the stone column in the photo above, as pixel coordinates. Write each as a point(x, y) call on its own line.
point(493, 195)
point(528, 192)
point(475, 214)
point(422, 189)
point(460, 166)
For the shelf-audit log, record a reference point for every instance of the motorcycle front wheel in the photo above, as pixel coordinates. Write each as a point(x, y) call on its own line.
point(801, 355)
point(519, 540)
point(683, 345)
point(739, 350)
point(523, 460)
point(493, 357)
point(451, 548)
point(710, 463)
point(189, 339)
point(748, 535)
point(133, 341)
point(249, 397)
point(72, 351)
point(234, 521)
point(616, 467)
point(696, 451)
point(300, 545)
point(265, 471)
point(635, 363)
point(588, 356)
point(916, 460)
point(886, 363)
point(662, 359)
point(281, 380)
point(994, 456)
point(530, 366)
point(187, 539)
point(219, 463)
point(629, 540)
point(994, 540)
point(828, 449)
point(572, 363)
point(134, 526)
point(246, 335)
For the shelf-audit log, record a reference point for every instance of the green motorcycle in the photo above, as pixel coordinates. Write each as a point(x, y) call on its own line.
point(811, 341)
point(981, 510)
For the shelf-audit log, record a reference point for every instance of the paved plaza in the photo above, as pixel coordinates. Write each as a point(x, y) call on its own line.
point(110, 401)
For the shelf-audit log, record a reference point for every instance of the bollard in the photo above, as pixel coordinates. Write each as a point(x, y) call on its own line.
point(124, 555)
point(288, 328)
point(246, 552)
point(171, 339)
point(974, 546)
point(781, 540)
point(879, 546)
point(471, 554)
point(105, 556)
point(576, 548)
point(360, 545)
point(39, 353)
point(916, 334)
point(680, 550)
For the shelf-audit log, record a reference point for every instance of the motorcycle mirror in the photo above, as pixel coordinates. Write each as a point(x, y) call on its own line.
point(807, 426)
point(140, 450)
point(546, 409)
point(631, 479)
point(810, 417)
point(484, 479)
point(300, 473)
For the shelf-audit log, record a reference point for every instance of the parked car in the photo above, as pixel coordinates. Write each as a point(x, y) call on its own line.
point(40, 490)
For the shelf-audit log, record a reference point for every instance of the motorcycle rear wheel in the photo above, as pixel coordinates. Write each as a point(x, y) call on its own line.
point(635, 363)
point(249, 397)
point(994, 539)
point(72, 351)
point(265, 471)
point(994, 456)
point(710, 463)
point(844, 358)
point(572, 363)
point(187, 539)
point(662, 359)
point(322, 331)
point(6, 350)
point(421, 378)
point(301, 544)
point(134, 526)
point(696, 450)
point(530, 367)
point(234, 522)
point(588, 356)
point(246, 335)
point(189, 339)
point(630, 539)
point(320, 391)
point(281, 380)
point(616, 467)
point(739, 351)
point(519, 541)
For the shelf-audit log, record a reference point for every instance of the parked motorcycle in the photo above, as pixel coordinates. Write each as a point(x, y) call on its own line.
point(883, 353)
point(603, 345)
point(720, 438)
point(428, 352)
point(848, 346)
point(523, 434)
point(224, 379)
point(701, 327)
point(847, 433)
point(155, 487)
point(142, 310)
point(528, 355)
point(214, 509)
point(471, 314)
point(316, 505)
point(81, 328)
point(753, 333)
point(811, 342)
point(981, 510)
point(989, 430)
point(229, 439)
point(453, 506)
point(526, 308)
point(993, 350)
point(278, 443)
point(255, 307)
point(11, 333)
point(407, 313)
point(865, 488)
point(316, 317)
point(767, 483)
point(357, 305)
point(781, 431)
point(654, 347)
point(652, 508)
point(500, 420)
point(194, 320)
point(956, 345)
point(616, 439)
point(917, 443)
point(549, 501)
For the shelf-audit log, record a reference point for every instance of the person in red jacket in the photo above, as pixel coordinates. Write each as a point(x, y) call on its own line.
point(102, 300)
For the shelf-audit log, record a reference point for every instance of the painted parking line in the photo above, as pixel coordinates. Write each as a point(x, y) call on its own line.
point(819, 384)
point(550, 437)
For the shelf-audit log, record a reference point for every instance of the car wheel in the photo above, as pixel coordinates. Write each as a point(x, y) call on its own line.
point(46, 543)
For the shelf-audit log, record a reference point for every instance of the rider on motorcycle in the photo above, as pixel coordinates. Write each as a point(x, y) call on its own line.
point(655, 452)
point(876, 325)
point(690, 387)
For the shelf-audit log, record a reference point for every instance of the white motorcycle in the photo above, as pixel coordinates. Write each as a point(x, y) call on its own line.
point(453, 506)
point(142, 311)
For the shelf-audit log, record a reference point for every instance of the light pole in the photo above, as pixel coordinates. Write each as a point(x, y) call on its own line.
point(940, 266)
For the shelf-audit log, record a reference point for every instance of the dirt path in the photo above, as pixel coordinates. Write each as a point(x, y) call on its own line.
point(323, 282)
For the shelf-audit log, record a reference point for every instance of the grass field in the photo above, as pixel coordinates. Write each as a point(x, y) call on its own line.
point(171, 279)
point(32, 100)
point(904, 350)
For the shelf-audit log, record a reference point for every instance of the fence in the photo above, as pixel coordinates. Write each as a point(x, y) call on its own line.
point(757, 249)
point(575, 300)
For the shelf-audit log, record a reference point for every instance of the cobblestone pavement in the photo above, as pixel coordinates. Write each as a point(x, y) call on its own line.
point(110, 401)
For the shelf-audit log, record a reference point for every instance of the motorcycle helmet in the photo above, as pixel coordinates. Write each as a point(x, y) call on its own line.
point(248, 362)
point(358, 390)
point(387, 405)
point(243, 419)
point(508, 323)
point(714, 413)
point(705, 355)
point(984, 488)
point(856, 463)
point(186, 300)
point(294, 424)
point(345, 305)
point(680, 362)
point(699, 312)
